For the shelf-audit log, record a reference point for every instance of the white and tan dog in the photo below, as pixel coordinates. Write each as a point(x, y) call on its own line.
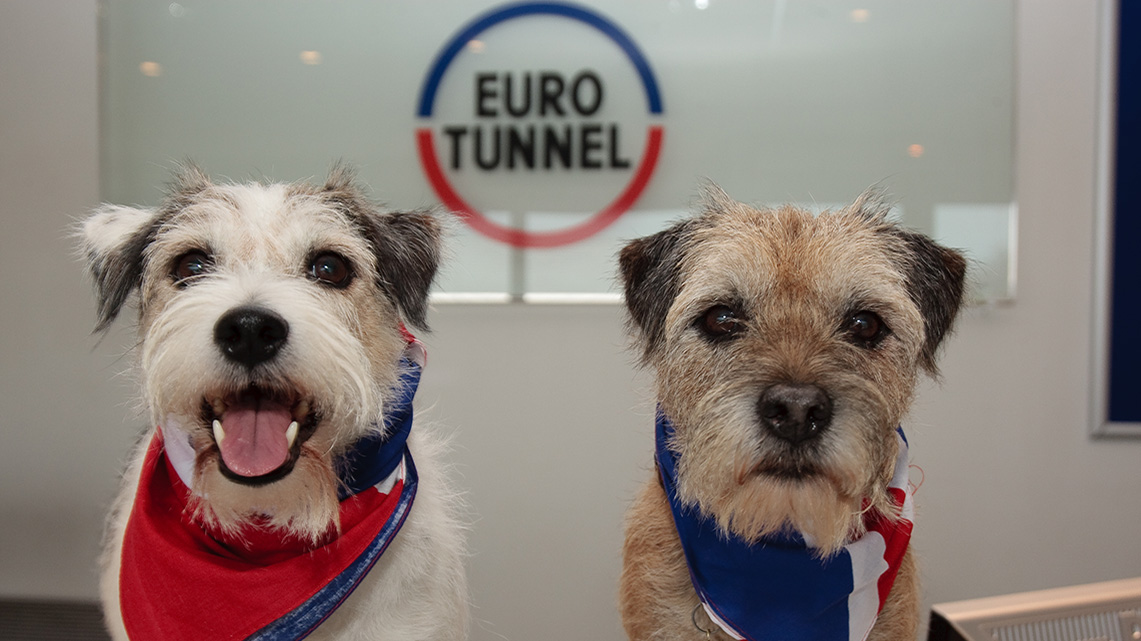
point(282, 493)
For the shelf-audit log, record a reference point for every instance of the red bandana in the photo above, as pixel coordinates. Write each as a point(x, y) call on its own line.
point(180, 581)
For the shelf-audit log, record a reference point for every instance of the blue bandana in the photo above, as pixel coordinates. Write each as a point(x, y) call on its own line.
point(778, 589)
point(374, 458)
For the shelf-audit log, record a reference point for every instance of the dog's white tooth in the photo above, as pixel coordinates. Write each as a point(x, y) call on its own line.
point(218, 406)
point(302, 408)
point(219, 433)
point(291, 433)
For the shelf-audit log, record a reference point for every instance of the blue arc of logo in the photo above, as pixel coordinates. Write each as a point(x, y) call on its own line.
point(511, 11)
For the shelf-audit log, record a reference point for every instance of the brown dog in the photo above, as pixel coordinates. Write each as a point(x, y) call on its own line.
point(787, 347)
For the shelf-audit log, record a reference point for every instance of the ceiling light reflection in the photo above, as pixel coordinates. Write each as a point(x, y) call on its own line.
point(150, 69)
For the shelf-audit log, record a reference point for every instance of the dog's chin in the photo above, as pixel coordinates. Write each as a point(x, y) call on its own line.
point(302, 500)
point(292, 487)
point(782, 493)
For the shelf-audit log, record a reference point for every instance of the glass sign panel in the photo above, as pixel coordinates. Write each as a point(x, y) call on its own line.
point(557, 131)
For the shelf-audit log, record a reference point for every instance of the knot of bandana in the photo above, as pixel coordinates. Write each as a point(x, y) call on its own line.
point(777, 589)
point(180, 582)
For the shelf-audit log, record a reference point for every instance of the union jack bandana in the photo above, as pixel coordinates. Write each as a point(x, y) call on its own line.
point(181, 581)
point(778, 589)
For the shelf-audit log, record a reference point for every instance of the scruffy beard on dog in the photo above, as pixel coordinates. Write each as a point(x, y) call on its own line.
point(271, 323)
point(786, 348)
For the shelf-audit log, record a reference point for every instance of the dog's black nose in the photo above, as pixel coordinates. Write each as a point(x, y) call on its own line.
point(795, 412)
point(250, 335)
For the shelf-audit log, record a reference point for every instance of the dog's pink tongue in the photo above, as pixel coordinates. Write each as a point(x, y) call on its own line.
point(255, 442)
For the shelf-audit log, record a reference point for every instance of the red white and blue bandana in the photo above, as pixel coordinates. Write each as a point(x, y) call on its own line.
point(180, 581)
point(778, 589)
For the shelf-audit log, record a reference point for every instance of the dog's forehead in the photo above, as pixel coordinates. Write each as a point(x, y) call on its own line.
point(260, 222)
point(759, 253)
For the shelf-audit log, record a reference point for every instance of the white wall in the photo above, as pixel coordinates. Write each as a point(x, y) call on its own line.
point(552, 422)
point(1017, 497)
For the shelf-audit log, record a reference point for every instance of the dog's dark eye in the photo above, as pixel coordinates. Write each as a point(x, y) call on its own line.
point(191, 265)
point(720, 321)
point(331, 269)
point(866, 329)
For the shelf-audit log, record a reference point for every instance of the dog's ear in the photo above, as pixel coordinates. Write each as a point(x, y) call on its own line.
point(936, 279)
point(406, 244)
point(408, 254)
point(112, 240)
point(650, 269)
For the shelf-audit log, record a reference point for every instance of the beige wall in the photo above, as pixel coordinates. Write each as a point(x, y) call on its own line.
point(62, 428)
point(552, 423)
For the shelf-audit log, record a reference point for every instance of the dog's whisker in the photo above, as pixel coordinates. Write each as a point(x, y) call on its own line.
point(744, 464)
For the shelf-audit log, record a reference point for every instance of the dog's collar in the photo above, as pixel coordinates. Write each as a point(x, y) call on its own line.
point(180, 581)
point(778, 589)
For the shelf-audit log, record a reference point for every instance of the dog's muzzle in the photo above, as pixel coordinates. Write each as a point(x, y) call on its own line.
point(258, 431)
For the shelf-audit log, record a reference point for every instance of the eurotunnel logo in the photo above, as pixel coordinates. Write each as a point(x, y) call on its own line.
point(537, 124)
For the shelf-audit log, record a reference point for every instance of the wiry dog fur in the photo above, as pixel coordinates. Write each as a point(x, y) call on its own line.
point(737, 301)
point(256, 245)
